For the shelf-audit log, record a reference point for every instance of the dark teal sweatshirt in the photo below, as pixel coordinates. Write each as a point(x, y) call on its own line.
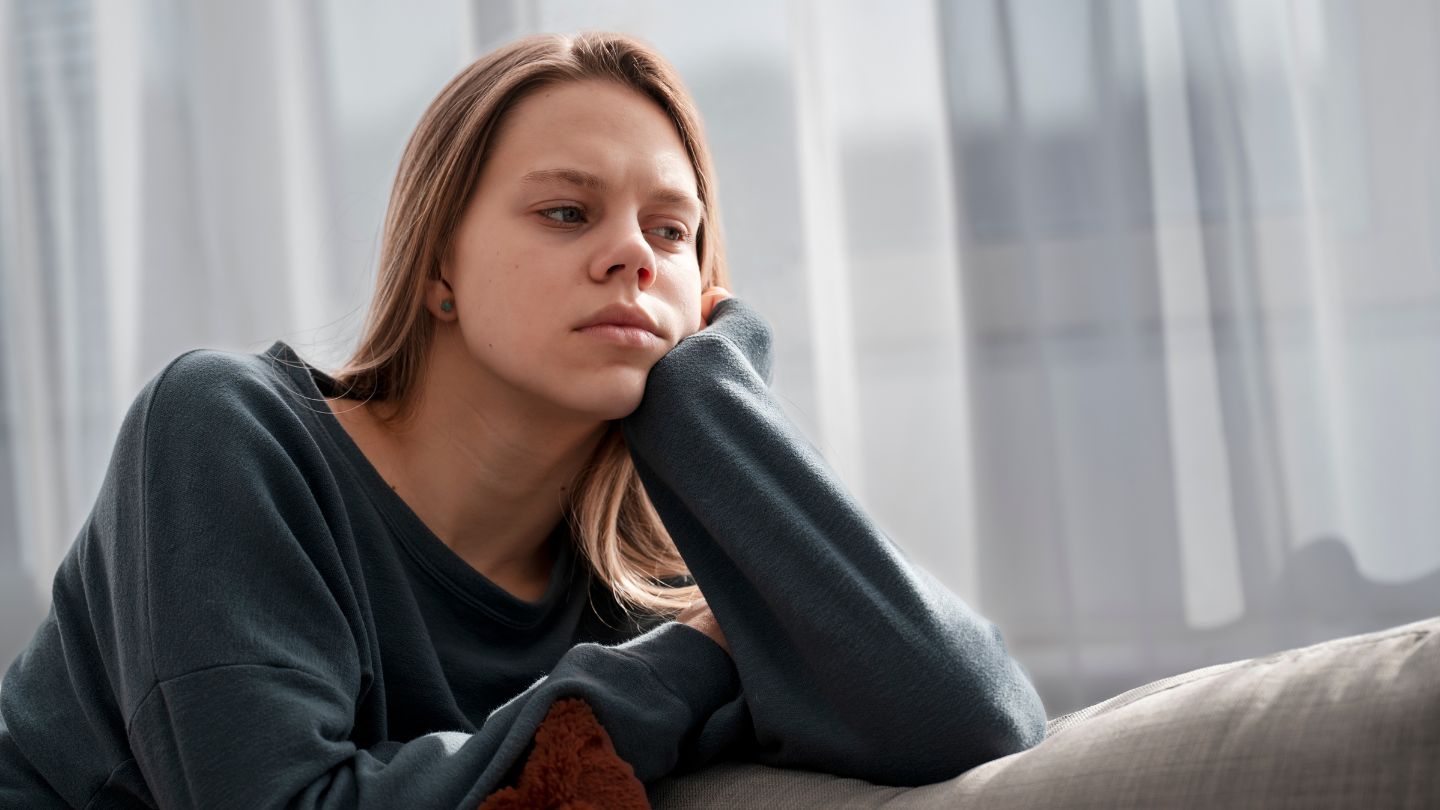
point(251, 618)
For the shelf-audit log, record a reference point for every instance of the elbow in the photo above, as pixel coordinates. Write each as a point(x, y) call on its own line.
point(1013, 715)
point(1006, 715)
point(1017, 722)
point(958, 730)
point(1006, 721)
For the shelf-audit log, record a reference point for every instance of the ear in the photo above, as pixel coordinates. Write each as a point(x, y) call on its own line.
point(438, 296)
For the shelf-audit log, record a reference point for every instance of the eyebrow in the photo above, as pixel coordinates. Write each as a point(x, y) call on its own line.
point(593, 182)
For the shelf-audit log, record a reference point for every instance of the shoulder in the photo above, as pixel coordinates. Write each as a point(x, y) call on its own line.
point(212, 402)
point(218, 377)
point(203, 383)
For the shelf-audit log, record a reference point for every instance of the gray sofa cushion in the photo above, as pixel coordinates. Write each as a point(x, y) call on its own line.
point(1352, 722)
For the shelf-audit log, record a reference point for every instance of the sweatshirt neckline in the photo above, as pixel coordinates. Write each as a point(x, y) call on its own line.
point(450, 571)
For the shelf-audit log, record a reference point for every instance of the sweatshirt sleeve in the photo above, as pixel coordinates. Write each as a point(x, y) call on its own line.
point(233, 626)
point(852, 660)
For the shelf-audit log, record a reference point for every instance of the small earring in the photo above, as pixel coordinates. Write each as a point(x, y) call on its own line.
point(447, 305)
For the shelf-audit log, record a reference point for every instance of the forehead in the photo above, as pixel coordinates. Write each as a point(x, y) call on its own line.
point(600, 126)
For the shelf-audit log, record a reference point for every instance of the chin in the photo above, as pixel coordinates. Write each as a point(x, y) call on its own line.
point(615, 400)
point(619, 407)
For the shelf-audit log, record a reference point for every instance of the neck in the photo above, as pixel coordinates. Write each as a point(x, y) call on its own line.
point(486, 467)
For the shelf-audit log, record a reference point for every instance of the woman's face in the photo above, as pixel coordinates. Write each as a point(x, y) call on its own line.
point(588, 200)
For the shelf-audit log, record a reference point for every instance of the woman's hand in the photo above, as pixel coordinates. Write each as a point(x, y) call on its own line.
point(709, 299)
point(698, 616)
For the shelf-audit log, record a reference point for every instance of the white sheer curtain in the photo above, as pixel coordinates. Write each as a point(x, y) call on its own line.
point(1120, 317)
point(1200, 263)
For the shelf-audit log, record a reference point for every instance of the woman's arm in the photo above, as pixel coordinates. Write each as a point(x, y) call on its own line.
point(852, 659)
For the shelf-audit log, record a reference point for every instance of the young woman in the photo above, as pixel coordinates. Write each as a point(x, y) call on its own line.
point(367, 588)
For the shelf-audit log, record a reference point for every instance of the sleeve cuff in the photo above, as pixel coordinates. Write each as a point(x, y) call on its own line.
point(744, 326)
point(687, 662)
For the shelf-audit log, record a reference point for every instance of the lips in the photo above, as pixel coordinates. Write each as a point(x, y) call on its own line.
point(623, 315)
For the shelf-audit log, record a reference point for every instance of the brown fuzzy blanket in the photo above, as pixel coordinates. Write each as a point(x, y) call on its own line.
point(573, 766)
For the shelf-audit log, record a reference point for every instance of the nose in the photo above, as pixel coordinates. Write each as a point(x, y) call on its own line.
point(627, 254)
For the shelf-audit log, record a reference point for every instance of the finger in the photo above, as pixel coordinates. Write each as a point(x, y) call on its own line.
point(710, 298)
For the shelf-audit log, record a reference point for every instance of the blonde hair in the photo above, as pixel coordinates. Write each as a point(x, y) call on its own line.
point(617, 529)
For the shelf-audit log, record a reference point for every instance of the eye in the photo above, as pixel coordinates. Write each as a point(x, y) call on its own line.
point(565, 210)
point(679, 233)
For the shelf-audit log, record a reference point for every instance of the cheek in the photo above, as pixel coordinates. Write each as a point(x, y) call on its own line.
point(694, 317)
point(515, 282)
point(510, 305)
point(519, 342)
point(518, 319)
point(682, 291)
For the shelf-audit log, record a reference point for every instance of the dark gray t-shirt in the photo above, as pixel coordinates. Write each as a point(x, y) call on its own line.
point(251, 617)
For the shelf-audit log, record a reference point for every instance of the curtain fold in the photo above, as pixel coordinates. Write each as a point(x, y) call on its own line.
point(1196, 267)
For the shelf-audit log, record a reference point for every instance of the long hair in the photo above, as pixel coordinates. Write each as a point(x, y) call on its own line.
point(617, 530)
